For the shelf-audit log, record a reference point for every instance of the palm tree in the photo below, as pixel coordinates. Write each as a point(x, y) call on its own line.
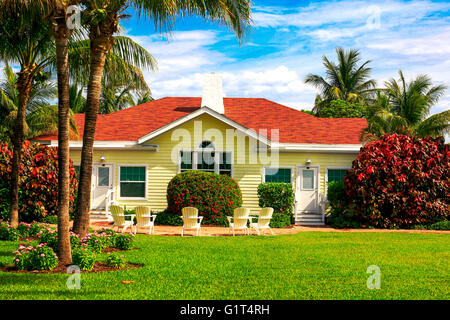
point(115, 98)
point(348, 80)
point(77, 101)
point(102, 17)
point(121, 79)
point(26, 42)
point(404, 107)
point(31, 44)
point(143, 97)
point(41, 116)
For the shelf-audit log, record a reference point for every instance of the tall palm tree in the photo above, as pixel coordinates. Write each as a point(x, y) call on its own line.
point(46, 19)
point(41, 116)
point(347, 80)
point(403, 107)
point(102, 17)
point(58, 17)
point(26, 42)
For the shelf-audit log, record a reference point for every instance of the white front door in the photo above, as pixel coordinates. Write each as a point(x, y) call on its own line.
point(307, 189)
point(101, 182)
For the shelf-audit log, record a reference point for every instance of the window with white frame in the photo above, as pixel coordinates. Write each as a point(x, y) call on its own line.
point(132, 181)
point(207, 159)
point(336, 174)
point(275, 174)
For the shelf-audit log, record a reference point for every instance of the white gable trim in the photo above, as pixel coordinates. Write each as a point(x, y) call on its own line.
point(204, 110)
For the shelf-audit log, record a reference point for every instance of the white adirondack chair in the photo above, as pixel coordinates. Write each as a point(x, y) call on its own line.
point(240, 219)
point(144, 218)
point(191, 220)
point(263, 223)
point(119, 219)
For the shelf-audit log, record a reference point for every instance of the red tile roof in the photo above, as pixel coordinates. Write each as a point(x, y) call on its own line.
point(253, 113)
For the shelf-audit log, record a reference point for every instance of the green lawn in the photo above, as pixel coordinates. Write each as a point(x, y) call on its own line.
point(308, 265)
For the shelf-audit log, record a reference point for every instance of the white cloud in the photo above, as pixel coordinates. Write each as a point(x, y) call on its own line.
point(186, 51)
point(354, 12)
point(435, 43)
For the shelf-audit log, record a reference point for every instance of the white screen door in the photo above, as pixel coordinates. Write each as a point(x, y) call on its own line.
point(101, 183)
point(307, 189)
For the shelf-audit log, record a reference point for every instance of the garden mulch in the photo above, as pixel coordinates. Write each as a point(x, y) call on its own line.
point(61, 268)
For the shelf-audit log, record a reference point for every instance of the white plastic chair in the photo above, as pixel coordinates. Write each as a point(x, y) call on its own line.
point(144, 218)
point(240, 219)
point(119, 218)
point(191, 220)
point(263, 223)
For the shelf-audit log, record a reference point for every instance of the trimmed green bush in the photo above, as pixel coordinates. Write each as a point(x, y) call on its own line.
point(341, 214)
point(279, 196)
point(214, 195)
point(84, 258)
point(441, 225)
point(280, 220)
point(124, 241)
point(168, 219)
point(50, 219)
point(115, 260)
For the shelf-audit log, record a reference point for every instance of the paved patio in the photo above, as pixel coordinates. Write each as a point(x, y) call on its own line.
point(213, 231)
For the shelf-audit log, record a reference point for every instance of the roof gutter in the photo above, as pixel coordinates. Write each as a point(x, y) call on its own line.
point(309, 147)
point(106, 145)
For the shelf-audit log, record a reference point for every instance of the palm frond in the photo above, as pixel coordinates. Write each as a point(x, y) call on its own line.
point(233, 14)
point(44, 120)
point(434, 126)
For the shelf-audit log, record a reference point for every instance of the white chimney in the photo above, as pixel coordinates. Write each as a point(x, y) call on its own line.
point(212, 92)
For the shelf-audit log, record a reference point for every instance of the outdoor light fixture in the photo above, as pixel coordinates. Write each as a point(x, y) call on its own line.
point(308, 161)
point(102, 158)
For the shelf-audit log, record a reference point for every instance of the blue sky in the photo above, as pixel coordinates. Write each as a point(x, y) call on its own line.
point(289, 38)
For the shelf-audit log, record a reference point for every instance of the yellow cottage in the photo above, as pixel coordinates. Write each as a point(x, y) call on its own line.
point(137, 151)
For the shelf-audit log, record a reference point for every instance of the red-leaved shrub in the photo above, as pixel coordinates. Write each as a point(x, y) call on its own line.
point(400, 181)
point(214, 195)
point(38, 181)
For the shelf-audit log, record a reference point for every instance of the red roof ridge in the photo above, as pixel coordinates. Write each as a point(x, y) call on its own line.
point(294, 126)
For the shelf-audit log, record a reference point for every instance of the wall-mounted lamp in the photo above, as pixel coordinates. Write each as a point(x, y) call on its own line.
point(308, 161)
point(102, 160)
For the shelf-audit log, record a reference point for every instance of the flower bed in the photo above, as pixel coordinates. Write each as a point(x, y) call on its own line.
point(42, 256)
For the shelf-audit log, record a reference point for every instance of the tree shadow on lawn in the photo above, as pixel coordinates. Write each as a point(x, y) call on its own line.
point(22, 278)
point(6, 254)
point(42, 294)
point(38, 287)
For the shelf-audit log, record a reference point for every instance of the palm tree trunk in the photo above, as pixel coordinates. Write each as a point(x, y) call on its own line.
point(99, 48)
point(24, 84)
point(62, 65)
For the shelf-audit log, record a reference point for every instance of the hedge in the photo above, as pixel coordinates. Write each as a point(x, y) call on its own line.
point(215, 196)
point(279, 196)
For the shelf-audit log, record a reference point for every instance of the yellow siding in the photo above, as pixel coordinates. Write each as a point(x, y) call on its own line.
point(161, 168)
